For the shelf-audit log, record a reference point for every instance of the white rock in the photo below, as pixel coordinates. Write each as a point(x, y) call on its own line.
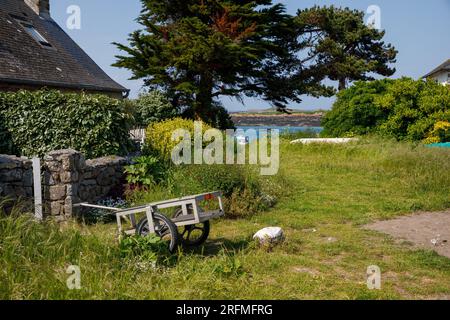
point(269, 235)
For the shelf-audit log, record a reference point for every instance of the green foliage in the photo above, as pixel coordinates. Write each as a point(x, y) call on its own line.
point(384, 179)
point(198, 51)
point(153, 107)
point(41, 121)
point(6, 141)
point(159, 136)
point(344, 47)
point(229, 266)
point(245, 192)
point(354, 111)
point(218, 116)
point(146, 171)
point(243, 187)
point(205, 178)
point(404, 109)
point(149, 249)
point(440, 133)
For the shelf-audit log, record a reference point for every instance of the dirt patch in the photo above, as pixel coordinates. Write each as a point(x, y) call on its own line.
point(428, 230)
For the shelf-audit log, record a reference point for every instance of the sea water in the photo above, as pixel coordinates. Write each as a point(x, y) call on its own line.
point(283, 130)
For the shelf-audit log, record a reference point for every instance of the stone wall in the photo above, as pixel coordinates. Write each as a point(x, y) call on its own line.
point(67, 179)
point(16, 177)
point(101, 177)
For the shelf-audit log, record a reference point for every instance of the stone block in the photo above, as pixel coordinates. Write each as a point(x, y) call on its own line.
point(105, 191)
point(56, 208)
point(8, 162)
point(8, 175)
point(29, 192)
point(28, 178)
point(72, 190)
point(91, 182)
point(68, 163)
point(80, 162)
point(27, 164)
point(55, 193)
point(53, 166)
point(19, 192)
point(88, 174)
point(69, 176)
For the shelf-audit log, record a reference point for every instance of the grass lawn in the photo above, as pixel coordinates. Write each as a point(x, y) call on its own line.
point(333, 191)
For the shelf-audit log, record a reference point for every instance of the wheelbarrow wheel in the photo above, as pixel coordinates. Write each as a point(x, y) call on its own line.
point(192, 235)
point(164, 228)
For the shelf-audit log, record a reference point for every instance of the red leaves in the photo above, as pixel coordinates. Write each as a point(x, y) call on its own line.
point(230, 26)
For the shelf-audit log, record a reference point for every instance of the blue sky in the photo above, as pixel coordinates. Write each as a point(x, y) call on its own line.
point(418, 29)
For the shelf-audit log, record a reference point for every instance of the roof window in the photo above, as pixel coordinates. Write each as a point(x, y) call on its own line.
point(31, 30)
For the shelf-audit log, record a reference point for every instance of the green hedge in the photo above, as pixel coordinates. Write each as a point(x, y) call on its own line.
point(405, 109)
point(34, 123)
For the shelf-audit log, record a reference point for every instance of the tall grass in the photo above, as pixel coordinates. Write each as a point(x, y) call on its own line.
point(336, 188)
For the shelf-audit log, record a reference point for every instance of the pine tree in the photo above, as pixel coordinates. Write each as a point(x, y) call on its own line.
point(343, 46)
point(199, 50)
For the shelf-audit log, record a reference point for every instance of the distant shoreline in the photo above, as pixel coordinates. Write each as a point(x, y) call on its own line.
point(282, 120)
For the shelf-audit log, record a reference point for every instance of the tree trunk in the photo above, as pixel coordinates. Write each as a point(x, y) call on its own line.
point(342, 84)
point(204, 98)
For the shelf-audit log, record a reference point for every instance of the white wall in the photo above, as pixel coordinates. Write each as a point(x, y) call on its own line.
point(442, 77)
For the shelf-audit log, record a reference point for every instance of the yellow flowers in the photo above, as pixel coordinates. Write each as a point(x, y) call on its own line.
point(440, 133)
point(159, 135)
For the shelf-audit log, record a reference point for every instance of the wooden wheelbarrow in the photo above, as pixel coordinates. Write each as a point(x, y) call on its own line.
point(189, 224)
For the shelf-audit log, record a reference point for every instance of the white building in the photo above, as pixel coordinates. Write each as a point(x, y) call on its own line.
point(441, 74)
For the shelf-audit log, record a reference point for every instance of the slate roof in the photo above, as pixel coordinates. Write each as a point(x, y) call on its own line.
point(443, 67)
point(24, 61)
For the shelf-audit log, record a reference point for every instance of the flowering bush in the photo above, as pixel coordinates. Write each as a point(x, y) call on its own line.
point(404, 109)
point(159, 136)
point(440, 133)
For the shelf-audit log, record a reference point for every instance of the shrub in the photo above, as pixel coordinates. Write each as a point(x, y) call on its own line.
point(153, 107)
point(41, 121)
point(404, 109)
point(159, 136)
point(146, 171)
point(190, 179)
point(440, 133)
point(148, 250)
point(245, 191)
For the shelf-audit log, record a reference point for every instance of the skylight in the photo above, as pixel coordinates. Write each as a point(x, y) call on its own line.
point(35, 34)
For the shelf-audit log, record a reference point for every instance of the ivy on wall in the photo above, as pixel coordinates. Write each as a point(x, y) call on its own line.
point(34, 123)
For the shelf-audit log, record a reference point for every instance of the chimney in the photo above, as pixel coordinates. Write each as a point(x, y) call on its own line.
point(41, 7)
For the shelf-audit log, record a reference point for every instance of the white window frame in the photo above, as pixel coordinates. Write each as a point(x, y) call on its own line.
point(37, 36)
